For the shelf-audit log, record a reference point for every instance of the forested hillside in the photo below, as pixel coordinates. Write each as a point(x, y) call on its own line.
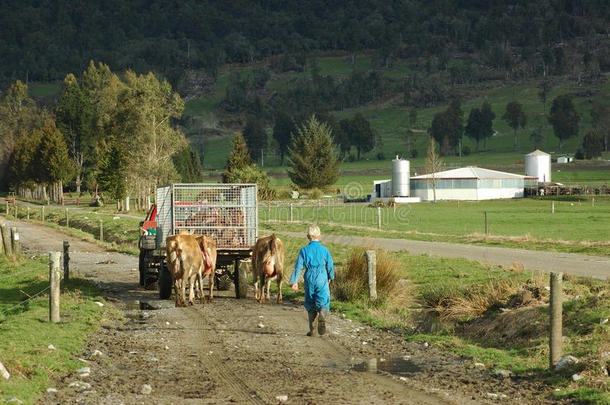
point(45, 40)
point(157, 89)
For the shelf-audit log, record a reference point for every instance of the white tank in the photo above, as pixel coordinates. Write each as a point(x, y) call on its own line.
point(538, 164)
point(400, 177)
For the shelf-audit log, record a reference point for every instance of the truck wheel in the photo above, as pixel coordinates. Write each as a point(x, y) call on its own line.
point(142, 268)
point(223, 281)
point(165, 282)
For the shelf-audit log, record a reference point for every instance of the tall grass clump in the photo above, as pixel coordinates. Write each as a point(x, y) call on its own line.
point(351, 282)
point(454, 302)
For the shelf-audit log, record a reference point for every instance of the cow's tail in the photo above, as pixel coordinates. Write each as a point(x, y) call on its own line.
point(174, 252)
point(273, 245)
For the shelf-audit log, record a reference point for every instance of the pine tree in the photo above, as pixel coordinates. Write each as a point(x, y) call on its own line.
point(113, 172)
point(312, 160)
point(75, 119)
point(564, 118)
point(239, 158)
point(255, 136)
point(487, 117)
point(282, 132)
point(515, 117)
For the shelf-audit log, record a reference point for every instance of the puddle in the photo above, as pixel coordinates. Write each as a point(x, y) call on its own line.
point(139, 305)
point(399, 365)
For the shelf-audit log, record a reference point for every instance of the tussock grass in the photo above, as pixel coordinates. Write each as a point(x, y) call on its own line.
point(472, 301)
point(351, 282)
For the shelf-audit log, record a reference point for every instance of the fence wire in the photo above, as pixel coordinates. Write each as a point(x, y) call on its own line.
point(24, 301)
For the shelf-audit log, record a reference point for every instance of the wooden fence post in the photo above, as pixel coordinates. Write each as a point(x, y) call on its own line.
point(486, 226)
point(66, 260)
point(552, 207)
point(378, 217)
point(42, 213)
point(15, 244)
point(67, 219)
point(28, 213)
point(6, 239)
point(101, 230)
point(371, 271)
point(556, 309)
point(7, 208)
point(593, 202)
point(291, 214)
point(54, 292)
point(1, 243)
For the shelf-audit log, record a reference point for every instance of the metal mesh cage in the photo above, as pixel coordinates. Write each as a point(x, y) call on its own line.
point(225, 212)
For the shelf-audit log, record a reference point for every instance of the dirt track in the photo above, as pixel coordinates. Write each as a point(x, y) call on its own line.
point(238, 351)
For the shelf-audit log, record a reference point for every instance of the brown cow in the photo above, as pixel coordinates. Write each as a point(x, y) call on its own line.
point(208, 249)
point(268, 264)
point(185, 262)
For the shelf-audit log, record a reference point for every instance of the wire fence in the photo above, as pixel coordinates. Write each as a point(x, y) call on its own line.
point(6, 311)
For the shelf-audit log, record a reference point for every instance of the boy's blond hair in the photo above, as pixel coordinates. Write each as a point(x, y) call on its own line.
point(313, 232)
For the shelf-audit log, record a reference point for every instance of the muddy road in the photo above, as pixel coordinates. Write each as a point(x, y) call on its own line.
point(238, 351)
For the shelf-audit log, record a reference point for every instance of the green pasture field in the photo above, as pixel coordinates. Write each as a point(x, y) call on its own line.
point(26, 333)
point(581, 227)
point(434, 279)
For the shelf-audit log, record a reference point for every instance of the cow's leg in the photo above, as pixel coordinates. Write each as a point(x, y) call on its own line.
point(183, 286)
point(268, 285)
point(177, 291)
point(279, 289)
point(191, 280)
point(211, 282)
point(260, 291)
point(200, 281)
point(255, 276)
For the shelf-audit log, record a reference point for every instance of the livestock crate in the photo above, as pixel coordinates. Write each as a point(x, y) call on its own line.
point(225, 212)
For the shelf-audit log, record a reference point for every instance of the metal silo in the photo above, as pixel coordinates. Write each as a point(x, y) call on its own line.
point(538, 164)
point(400, 177)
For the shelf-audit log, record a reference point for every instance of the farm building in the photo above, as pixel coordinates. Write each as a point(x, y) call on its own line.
point(538, 165)
point(470, 183)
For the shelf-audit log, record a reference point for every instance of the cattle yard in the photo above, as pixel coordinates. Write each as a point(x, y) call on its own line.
point(428, 280)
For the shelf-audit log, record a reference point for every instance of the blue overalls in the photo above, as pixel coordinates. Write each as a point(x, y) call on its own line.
point(319, 269)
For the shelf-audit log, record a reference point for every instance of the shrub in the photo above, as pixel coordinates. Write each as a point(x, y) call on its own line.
point(351, 282)
point(251, 174)
point(453, 303)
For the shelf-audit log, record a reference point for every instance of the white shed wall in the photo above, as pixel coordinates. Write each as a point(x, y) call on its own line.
point(493, 193)
point(427, 194)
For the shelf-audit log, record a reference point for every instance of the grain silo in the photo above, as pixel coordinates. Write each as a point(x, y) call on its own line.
point(400, 177)
point(538, 164)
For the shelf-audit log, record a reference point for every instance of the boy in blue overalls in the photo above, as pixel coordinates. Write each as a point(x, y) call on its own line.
point(319, 273)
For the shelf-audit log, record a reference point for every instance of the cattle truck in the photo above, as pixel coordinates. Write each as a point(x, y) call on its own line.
point(228, 213)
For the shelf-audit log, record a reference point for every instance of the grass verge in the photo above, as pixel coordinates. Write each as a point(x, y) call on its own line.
point(26, 333)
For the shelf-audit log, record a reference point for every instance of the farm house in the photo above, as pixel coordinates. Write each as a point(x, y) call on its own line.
point(470, 183)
